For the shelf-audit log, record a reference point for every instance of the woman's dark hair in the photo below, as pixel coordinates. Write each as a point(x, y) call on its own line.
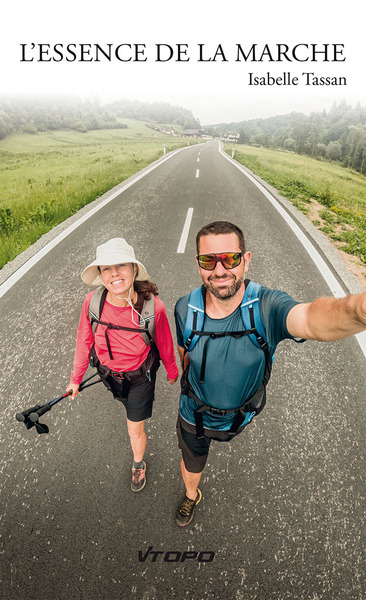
point(219, 227)
point(144, 291)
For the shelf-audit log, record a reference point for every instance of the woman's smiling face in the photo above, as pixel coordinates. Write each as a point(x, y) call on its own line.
point(118, 279)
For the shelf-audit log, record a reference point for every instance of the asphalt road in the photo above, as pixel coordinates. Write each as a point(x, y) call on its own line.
point(283, 507)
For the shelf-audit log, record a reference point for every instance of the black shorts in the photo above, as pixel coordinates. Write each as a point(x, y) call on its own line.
point(137, 396)
point(135, 390)
point(194, 451)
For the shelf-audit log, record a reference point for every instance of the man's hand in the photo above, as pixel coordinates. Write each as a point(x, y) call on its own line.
point(184, 357)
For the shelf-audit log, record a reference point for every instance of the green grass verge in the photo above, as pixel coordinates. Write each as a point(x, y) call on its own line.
point(302, 179)
point(45, 178)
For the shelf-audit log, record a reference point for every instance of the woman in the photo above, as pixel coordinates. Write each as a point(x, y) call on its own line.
point(122, 354)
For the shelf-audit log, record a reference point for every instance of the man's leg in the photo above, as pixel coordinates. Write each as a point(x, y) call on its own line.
point(191, 481)
point(194, 453)
point(193, 496)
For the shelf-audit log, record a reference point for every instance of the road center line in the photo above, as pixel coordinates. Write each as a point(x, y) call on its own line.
point(197, 173)
point(184, 236)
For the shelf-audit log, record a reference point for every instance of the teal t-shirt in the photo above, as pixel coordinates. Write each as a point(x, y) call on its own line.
point(234, 366)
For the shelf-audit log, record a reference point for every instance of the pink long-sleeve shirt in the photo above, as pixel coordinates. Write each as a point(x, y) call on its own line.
point(128, 348)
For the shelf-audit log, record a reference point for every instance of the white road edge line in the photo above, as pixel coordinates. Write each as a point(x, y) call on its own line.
point(184, 236)
point(18, 274)
point(319, 262)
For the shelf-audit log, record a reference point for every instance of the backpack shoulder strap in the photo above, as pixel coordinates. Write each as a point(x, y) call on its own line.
point(251, 314)
point(147, 320)
point(250, 311)
point(96, 306)
point(194, 319)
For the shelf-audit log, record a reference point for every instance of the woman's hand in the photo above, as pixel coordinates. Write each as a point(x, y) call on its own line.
point(172, 381)
point(74, 388)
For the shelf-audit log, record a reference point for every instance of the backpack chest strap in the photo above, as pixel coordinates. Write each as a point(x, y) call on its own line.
point(213, 335)
point(147, 320)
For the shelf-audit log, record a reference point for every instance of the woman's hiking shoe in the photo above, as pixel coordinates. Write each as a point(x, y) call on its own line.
point(138, 479)
point(185, 510)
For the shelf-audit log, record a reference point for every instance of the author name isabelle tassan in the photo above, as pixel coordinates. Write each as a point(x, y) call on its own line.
point(286, 78)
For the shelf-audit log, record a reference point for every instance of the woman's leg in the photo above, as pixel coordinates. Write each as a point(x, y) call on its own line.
point(138, 439)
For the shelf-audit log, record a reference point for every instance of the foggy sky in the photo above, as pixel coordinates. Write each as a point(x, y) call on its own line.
point(214, 91)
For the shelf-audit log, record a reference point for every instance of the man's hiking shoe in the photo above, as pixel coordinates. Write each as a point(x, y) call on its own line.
point(138, 479)
point(185, 510)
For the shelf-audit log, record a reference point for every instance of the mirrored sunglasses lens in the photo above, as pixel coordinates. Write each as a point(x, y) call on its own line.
point(207, 262)
point(230, 261)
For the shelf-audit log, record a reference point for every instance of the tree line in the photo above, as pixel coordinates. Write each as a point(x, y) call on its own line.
point(155, 112)
point(338, 134)
point(37, 114)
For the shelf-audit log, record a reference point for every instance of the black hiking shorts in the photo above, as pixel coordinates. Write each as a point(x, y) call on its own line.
point(135, 389)
point(194, 451)
point(137, 396)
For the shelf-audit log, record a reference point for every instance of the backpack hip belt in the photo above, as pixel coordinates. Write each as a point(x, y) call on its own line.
point(253, 405)
point(148, 368)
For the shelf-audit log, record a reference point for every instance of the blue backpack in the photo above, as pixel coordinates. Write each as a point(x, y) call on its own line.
point(253, 327)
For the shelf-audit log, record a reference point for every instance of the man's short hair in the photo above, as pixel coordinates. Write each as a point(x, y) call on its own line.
point(220, 227)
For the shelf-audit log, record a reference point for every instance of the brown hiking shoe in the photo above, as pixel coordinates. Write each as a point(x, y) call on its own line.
point(185, 510)
point(138, 479)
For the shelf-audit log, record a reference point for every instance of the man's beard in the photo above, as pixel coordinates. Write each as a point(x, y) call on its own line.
point(227, 292)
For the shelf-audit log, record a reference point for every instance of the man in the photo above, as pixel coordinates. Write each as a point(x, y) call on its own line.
point(226, 362)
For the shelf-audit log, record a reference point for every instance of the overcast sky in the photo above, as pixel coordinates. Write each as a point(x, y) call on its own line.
point(214, 91)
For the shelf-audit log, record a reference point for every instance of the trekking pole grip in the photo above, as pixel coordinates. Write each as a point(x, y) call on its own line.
point(22, 416)
point(34, 416)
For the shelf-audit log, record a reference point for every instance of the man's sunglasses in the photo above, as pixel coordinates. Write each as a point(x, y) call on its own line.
point(229, 260)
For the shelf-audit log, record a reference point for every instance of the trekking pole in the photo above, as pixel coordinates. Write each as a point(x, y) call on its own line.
point(30, 416)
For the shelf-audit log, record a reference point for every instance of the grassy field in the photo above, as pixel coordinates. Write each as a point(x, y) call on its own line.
point(47, 177)
point(332, 196)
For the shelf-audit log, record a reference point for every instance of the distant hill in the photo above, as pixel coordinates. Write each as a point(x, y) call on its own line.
point(35, 114)
point(156, 112)
point(338, 134)
point(270, 124)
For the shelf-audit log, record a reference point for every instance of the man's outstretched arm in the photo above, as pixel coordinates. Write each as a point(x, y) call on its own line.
point(327, 319)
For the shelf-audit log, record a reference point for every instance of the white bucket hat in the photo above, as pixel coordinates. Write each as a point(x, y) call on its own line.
point(113, 252)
